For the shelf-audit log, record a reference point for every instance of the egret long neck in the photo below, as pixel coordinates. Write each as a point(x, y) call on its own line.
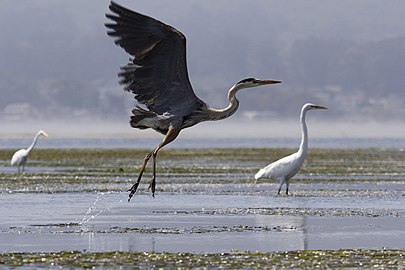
point(304, 137)
point(33, 142)
point(218, 114)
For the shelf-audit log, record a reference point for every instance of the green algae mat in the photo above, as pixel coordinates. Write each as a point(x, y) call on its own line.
point(319, 259)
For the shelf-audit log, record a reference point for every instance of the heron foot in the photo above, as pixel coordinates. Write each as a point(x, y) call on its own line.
point(152, 186)
point(133, 190)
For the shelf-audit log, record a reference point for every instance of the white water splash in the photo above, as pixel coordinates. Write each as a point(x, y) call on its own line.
point(99, 206)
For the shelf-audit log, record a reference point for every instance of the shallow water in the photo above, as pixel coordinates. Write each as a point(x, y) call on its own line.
point(195, 223)
point(206, 202)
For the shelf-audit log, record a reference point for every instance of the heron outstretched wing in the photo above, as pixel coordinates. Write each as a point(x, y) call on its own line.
point(157, 75)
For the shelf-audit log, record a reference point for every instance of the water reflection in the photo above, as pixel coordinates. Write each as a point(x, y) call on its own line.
point(179, 223)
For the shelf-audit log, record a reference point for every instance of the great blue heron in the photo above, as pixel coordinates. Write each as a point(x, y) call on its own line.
point(20, 157)
point(158, 77)
point(285, 168)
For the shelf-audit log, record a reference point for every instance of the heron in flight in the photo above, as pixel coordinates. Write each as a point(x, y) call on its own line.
point(285, 168)
point(157, 75)
point(20, 157)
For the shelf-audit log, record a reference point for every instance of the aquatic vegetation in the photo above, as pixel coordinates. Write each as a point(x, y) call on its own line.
point(201, 161)
point(302, 259)
point(328, 187)
point(305, 211)
point(71, 228)
point(329, 172)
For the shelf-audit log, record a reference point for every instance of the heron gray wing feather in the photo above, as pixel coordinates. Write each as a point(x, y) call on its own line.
point(157, 75)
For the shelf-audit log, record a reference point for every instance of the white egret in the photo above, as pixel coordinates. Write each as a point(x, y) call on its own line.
point(285, 168)
point(20, 157)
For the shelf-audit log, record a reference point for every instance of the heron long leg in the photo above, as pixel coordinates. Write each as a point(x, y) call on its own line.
point(135, 186)
point(170, 136)
point(287, 186)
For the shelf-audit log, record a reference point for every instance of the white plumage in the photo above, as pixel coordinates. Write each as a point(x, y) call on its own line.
point(285, 168)
point(20, 157)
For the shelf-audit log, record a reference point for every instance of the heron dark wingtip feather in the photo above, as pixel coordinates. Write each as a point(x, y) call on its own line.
point(114, 7)
point(123, 12)
point(112, 17)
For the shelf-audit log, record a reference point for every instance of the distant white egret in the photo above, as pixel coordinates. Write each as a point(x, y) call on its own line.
point(20, 157)
point(285, 168)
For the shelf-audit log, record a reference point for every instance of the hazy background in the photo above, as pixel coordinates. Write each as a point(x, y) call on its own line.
point(58, 67)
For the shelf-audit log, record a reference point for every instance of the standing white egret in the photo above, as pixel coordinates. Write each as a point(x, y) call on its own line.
point(285, 168)
point(20, 157)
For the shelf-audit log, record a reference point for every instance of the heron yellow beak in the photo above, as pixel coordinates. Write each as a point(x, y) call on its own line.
point(45, 134)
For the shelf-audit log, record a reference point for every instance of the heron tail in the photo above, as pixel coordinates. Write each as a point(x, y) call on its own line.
point(141, 118)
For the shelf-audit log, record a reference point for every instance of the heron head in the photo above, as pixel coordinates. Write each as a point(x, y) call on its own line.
point(310, 106)
point(252, 82)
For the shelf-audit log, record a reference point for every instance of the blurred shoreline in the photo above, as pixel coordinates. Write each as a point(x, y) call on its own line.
point(397, 144)
point(230, 129)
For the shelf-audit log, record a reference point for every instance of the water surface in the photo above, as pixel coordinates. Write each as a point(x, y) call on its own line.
point(206, 201)
point(195, 223)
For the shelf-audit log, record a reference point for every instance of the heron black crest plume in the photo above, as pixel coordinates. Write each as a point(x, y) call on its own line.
point(157, 76)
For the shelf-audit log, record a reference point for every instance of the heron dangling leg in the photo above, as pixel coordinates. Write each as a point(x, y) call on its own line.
point(152, 184)
point(135, 186)
point(171, 134)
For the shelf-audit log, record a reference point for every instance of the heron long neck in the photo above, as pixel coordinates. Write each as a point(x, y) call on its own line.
point(33, 142)
point(218, 114)
point(304, 139)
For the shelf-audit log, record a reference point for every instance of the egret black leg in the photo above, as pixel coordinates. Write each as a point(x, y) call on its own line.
point(282, 181)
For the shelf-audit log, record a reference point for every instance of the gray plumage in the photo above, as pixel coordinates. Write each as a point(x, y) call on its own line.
point(157, 75)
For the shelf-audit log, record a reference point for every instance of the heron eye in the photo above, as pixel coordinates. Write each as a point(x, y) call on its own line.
point(247, 80)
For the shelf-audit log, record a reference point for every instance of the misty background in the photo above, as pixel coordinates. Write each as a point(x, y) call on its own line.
point(58, 67)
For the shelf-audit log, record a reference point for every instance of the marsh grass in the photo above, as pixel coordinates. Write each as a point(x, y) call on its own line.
point(102, 169)
point(305, 259)
point(318, 160)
